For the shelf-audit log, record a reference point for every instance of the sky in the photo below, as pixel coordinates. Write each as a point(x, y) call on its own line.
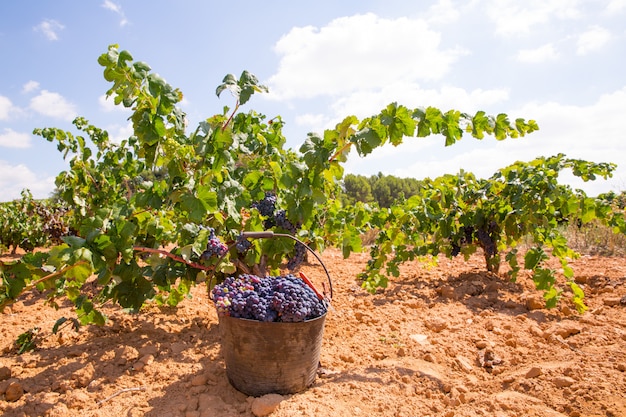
point(559, 62)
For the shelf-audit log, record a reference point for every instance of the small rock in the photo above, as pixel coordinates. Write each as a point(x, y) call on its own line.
point(611, 301)
point(266, 405)
point(436, 324)
point(78, 400)
point(488, 359)
point(565, 329)
point(359, 316)
point(18, 307)
point(14, 392)
point(534, 372)
point(429, 357)
point(84, 375)
point(535, 303)
point(464, 363)
point(5, 373)
point(126, 354)
point(178, 347)
point(199, 380)
point(143, 362)
point(347, 358)
point(447, 291)
point(481, 344)
point(536, 331)
point(564, 381)
point(422, 339)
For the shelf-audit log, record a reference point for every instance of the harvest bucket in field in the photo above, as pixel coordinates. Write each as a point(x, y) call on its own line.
point(272, 357)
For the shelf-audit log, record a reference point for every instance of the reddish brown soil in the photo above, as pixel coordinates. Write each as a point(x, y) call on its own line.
point(451, 340)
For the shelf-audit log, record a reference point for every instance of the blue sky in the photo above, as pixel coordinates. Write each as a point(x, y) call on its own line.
point(560, 62)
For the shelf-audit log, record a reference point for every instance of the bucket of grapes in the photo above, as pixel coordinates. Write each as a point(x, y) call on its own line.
point(271, 328)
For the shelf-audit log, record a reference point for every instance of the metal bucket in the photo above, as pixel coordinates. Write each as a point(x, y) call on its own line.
point(271, 357)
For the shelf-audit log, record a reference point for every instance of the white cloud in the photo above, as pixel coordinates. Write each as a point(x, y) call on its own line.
point(444, 11)
point(107, 105)
point(538, 55)
point(615, 6)
point(12, 139)
point(513, 17)
point(355, 53)
point(15, 178)
point(594, 38)
point(116, 8)
point(119, 133)
point(6, 108)
point(50, 29)
point(53, 105)
point(314, 121)
point(30, 87)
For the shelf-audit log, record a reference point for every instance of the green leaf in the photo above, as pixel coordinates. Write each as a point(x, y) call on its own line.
point(58, 323)
point(194, 207)
point(79, 272)
point(208, 198)
point(534, 257)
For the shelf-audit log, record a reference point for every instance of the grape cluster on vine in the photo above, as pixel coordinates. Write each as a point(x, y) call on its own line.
point(483, 235)
point(277, 299)
point(242, 244)
point(278, 217)
point(267, 205)
point(214, 247)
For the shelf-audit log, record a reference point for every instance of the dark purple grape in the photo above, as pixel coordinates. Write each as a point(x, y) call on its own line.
point(267, 206)
point(281, 298)
point(214, 247)
point(280, 217)
point(242, 244)
point(486, 242)
point(298, 257)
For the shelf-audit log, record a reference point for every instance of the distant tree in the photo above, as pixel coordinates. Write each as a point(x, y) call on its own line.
point(356, 188)
point(379, 188)
point(387, 188)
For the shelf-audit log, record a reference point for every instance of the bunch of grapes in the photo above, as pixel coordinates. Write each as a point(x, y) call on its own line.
point(274, 217)
point(486, 242)
point(267, 206)
point(298, 257)
point(242, 244)
point(214, 247)
point(281, 298)
point(294, 301)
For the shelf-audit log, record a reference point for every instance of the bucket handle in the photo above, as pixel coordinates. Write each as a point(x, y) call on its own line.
point(268, 234)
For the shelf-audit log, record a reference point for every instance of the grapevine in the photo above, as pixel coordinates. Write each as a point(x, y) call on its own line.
point(150, 215)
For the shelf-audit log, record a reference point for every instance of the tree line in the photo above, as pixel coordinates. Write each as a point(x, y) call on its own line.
point(379, 188)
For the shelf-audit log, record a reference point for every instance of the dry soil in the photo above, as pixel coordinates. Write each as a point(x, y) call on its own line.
point(451, 340)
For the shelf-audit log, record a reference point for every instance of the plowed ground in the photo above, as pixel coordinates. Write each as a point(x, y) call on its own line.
point(451, 340)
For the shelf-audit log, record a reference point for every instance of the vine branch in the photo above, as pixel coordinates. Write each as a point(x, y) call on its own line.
point(340, 151)
point(172, 256)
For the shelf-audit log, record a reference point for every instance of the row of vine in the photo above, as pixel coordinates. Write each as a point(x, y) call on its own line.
point(146, 210)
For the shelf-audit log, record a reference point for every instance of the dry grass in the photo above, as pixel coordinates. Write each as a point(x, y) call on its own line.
point(595, 239)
